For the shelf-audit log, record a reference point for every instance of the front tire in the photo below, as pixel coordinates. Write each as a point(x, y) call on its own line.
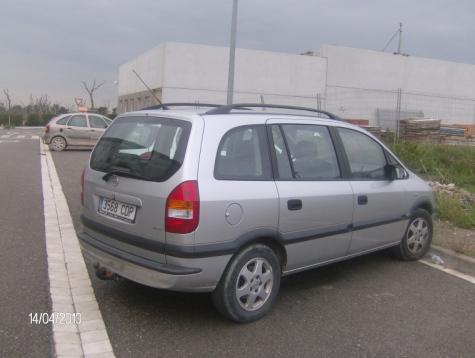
point(249, 285)
point(417, 237)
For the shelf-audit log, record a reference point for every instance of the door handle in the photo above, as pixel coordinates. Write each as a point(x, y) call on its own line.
point(294, 204)
point(362, 199)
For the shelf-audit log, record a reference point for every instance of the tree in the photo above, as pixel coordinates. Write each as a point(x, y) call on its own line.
point(9, 105)
point(90, 90)
point(102, 110)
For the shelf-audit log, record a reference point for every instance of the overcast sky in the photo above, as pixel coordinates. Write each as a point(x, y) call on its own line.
point(50, 46)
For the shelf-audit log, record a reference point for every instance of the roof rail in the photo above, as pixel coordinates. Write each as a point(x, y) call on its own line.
point(228, 108)
point(166, 106)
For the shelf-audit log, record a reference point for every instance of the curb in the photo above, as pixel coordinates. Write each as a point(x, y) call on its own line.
point(453, 260)
point(84, 334)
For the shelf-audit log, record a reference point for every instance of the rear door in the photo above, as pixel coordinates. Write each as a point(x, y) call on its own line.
point(77, 130)
point(316, 204)
point(97, 126)
point(380, 204)
point(153, 150)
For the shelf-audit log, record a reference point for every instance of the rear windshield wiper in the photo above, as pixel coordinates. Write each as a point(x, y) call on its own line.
point(123, 173)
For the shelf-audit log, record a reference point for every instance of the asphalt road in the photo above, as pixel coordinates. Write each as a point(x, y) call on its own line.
point(23, 265)
point(372, 306)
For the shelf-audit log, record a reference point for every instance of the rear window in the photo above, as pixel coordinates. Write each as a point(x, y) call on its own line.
point(149, 148)
point(96, 122)
point(78, 121)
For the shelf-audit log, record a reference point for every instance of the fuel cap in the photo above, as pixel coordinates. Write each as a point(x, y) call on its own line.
point(233, 214)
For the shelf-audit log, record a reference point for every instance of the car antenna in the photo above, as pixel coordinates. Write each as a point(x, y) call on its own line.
point(149, 89)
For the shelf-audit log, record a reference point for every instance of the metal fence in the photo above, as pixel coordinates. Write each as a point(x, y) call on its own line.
point(385, 108)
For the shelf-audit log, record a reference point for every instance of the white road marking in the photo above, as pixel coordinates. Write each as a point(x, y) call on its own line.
point(70, 287)
point(450, 271)
point(20, 136)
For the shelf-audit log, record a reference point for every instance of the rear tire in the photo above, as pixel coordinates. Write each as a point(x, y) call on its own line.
point(58, 144)
point(417, 237)
point(249, 285)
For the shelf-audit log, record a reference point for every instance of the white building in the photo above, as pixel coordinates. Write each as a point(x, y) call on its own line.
point(353, 83)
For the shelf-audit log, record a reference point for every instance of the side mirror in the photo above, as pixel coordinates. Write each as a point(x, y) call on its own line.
point(390, 172)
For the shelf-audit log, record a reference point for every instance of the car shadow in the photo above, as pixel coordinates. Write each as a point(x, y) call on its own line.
point(182, 307)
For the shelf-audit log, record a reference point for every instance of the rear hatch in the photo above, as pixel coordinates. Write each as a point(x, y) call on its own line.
point(133, 168)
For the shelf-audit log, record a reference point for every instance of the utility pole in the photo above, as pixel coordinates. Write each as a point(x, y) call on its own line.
point(9, 106)
point(398, 33)
point(399, 47)
point(398, 114)
point(319, 101)
point(232, 52)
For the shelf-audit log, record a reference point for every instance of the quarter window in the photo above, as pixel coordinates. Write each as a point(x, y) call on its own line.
point(242, 155)
point(365, 156)
point(63, 120)
point(400, 171)
point(78, 121)
point(311, 151)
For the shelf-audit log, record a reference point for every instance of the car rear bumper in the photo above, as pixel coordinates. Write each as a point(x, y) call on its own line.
point(152, 273)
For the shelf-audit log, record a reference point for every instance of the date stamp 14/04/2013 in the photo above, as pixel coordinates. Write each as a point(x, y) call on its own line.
point(66, 318)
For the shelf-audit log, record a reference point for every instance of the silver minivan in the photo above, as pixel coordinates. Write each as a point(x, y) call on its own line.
point(229, 199)
point(75, 130)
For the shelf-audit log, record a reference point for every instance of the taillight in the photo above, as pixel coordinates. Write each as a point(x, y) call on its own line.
point(47, 128)
point(82, 186)
point(183, 208)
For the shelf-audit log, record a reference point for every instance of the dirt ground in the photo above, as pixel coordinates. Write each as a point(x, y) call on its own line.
point(454, 238)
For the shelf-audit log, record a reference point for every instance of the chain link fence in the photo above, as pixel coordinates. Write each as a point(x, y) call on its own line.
point(384, 108)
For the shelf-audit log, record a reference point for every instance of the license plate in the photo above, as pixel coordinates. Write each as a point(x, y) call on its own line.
point(117, 209)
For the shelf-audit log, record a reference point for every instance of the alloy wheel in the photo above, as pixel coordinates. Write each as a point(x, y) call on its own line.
point(254, 284)
point(417, 235)
point(58, 144)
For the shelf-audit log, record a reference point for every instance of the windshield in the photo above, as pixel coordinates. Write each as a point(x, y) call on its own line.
point(147, 147)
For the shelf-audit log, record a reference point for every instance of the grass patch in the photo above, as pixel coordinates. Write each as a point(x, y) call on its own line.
point(453, 210)
point(443, 163)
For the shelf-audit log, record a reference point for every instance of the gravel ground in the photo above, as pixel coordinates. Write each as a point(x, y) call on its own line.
point(454, 238)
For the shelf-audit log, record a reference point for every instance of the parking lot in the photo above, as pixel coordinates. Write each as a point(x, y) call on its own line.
point(373, 306)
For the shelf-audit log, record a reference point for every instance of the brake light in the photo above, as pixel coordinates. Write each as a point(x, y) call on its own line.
point(82, 186)
point(47, 128)
point(182, 210)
